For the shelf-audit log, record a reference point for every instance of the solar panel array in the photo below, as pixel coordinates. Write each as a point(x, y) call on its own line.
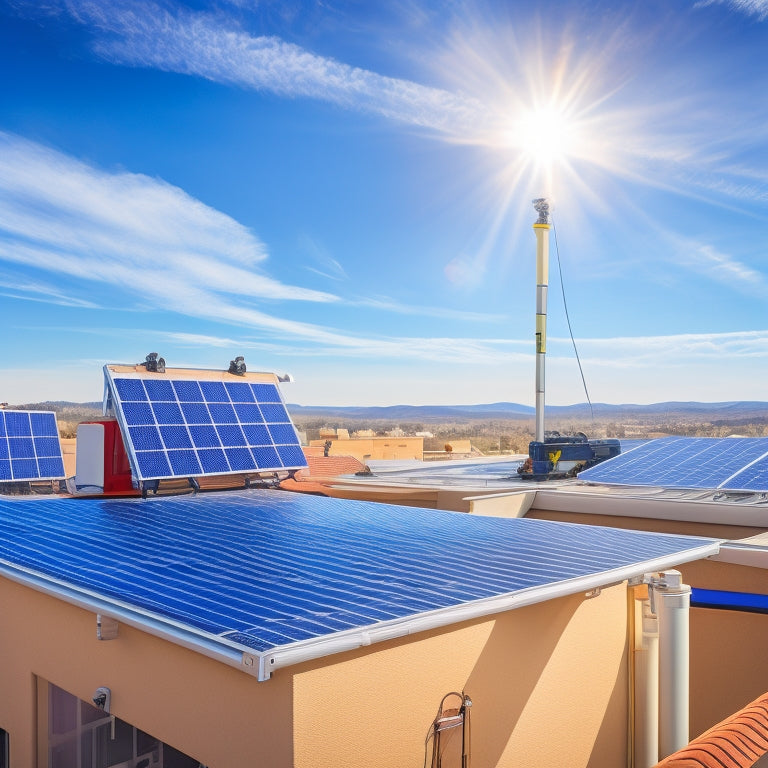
point(689, 462)
point(29, 446)
point(264, 569)
point(182, 427)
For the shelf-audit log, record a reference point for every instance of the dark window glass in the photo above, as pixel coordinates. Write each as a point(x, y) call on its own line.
point(4, 749)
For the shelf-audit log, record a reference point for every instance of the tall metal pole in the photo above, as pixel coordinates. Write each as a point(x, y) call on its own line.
point(541, 228)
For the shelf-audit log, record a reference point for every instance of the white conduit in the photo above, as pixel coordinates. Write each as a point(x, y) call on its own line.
point(661, 664)
point(672, 602)
point(646, 733)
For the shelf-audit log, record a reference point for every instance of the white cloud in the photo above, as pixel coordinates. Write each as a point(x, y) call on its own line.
point(724, 268)
point(618, 352)
point(141, 235)
point(757, 8)
point(706, 261)
point(29, 290)
point(62, 215)
point(678, 350)
point(164, 249)
point(622, 133)
point(327, 266)
point(444, 313)
point(211, 46)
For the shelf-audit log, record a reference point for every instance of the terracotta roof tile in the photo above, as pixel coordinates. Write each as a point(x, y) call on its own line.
point(320, 471)
point(333, 466)
point(739, 741)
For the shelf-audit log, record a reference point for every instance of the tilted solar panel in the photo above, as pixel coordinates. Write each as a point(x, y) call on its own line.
point(175, 425)
point(688, 462)
point(753, 477)
point(29, 446)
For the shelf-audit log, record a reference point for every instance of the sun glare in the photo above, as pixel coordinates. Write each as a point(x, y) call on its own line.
point(544, 140)
point(549, 114)
point(545, 135)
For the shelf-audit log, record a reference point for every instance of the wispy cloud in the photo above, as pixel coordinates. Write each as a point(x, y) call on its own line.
point(496, 82)
point(62, 215)
point(724, 268)
point(170, 251)
point(450, 350)
point(165, 250)
point(444, 313)
point(325, 265)
point(145, 237)
point(680, 349)
point(619, 352)
point(27, 290)
point(757, 8)
point(211, 45)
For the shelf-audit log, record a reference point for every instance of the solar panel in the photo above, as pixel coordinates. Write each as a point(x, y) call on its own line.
point(29, 446)
point(688, 462)
point(754, 477)
point(188, 424)
point(262, 570)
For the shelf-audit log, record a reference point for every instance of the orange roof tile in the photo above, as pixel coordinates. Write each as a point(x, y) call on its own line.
point(737, 742)
point(320, 471)
point(333, 466)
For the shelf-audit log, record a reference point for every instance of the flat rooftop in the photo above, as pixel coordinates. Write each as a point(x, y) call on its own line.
point(262, 579)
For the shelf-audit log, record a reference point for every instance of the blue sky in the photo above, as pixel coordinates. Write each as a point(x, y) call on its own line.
point(342, 190)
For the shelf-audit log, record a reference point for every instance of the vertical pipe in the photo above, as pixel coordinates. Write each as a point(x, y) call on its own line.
point(541, 228)
point(646, 709)
point(673, 600)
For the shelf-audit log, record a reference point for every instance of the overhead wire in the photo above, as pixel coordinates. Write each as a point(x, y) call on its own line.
point(568, 320)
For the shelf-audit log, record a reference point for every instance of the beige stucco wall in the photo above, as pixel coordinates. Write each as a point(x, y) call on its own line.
point(729, 666)
point(549, 686)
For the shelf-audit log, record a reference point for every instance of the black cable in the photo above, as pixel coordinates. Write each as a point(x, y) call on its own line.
point(568, 320)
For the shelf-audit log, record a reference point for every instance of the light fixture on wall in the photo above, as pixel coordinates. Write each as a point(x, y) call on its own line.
point(102, 698)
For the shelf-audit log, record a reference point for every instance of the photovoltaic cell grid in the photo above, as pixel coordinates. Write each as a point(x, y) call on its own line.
point(263, 569)
point(689, 462)
point(188, 428)
point(29, 446)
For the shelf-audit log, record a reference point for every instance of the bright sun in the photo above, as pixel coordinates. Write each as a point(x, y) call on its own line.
point(546, 140)
point(546, 135)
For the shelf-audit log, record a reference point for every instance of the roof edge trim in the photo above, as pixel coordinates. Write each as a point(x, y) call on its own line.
point(207, 644)
point(263, 663)
point(308, 650)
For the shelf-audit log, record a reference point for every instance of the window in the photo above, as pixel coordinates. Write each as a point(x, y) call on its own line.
point(4, 758)
point(83, 736)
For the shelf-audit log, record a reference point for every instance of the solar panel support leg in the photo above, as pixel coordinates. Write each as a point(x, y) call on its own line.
point(149, 485)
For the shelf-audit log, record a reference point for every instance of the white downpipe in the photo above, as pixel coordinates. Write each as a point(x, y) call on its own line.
point(672, 601)
point(646, 732)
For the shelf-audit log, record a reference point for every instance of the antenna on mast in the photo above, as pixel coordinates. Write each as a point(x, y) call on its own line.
point(541, 228)
point(557, 455)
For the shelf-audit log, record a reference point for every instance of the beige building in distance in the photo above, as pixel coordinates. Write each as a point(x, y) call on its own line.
point(368, 447)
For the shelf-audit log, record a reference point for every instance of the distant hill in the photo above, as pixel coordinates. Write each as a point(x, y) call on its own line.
point(726, 411)
point(417, 412)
